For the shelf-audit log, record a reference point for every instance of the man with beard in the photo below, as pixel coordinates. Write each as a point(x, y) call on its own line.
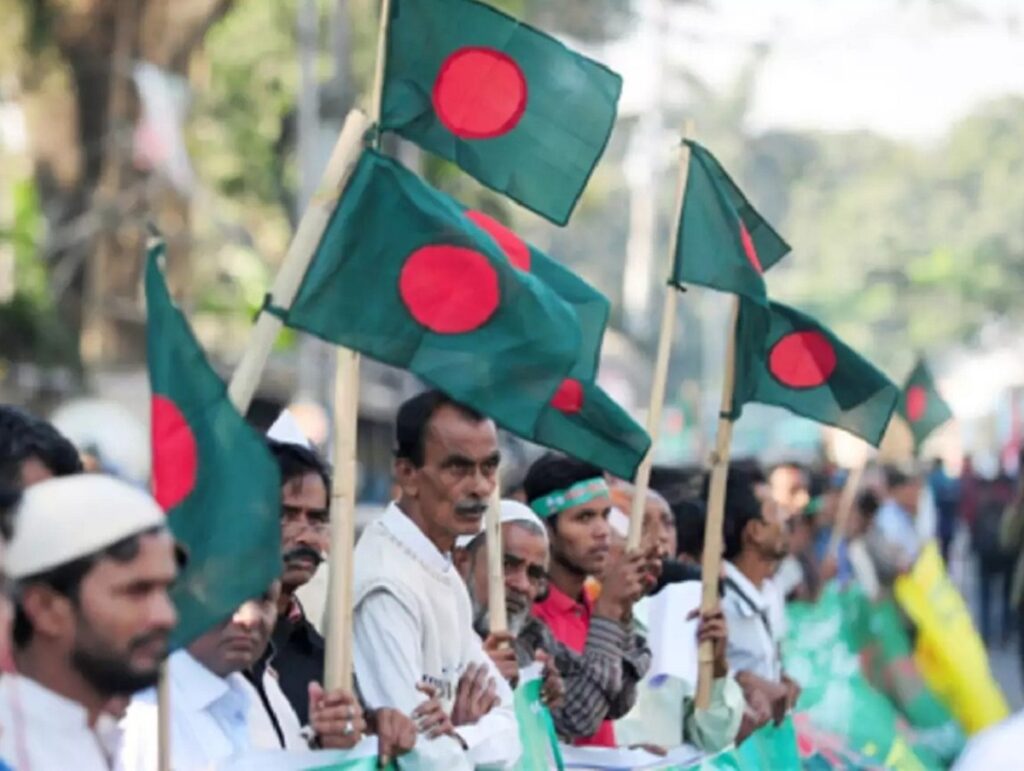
point(525, 547)
point(413, 621)
point(755, 538)
point(573, 499)
point(91, 561)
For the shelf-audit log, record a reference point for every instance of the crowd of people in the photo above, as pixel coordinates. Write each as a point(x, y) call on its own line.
point(87, 615)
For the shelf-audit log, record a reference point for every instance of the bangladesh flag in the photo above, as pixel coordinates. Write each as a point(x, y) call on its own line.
point(921, 405)
point(212, 473)
point(591, 306)
point(510, 105)
point(787, 359)
point(722, 243)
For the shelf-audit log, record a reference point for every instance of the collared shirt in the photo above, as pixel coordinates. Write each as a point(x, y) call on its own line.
point(42, 730)
point(273, 724)
point(752, 615)
point(209, 719)
point(600, 660)
point(298, 658)
point(388, 658)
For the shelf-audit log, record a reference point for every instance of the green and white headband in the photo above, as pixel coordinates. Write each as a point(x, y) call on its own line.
point(575, 495)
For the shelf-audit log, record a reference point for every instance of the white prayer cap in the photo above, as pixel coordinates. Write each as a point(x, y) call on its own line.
point(619, 521)
point(62, 519)
point(286, 429)
point(511, 511)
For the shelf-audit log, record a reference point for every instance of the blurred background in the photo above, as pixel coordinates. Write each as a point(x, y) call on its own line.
point(881, 137)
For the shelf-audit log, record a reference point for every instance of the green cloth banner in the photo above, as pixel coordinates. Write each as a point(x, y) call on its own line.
point(536, 728)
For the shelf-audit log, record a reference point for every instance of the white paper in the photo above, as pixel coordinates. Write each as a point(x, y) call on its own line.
point(672, 638)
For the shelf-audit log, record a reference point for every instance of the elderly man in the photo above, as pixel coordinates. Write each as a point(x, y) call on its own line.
point(91, 561)
point(573, 499)
point(413, 619)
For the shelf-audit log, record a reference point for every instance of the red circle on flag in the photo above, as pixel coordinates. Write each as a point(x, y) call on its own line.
point(802, 360)
point(450, 290)
point(175, 454)
point(749, 249)
point(513, 247)
point(479, 93)
point(568, 397)
point(917, 403)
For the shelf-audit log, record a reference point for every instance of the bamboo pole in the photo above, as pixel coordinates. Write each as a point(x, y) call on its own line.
point(300, 252)
point(339, 644)
point(847, 500)
point(711, 560)
point(163, 718)
point(495, 564)
point(642, 481)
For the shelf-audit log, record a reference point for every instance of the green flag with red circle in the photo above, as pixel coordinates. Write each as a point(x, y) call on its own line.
point(921, 404)
point(722, 241)
point(787, 359)
point(212, 473)
point(511, 106)
point(406, 275)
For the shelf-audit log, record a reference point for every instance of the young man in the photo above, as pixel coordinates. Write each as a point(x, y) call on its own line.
point(219, 710)
point(413, 620)
point(31, 450)
point(893, 539)
point(573, 499)
point(755, 538)
point(91, 561)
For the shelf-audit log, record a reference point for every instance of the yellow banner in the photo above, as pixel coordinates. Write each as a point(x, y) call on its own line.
point(948, 650)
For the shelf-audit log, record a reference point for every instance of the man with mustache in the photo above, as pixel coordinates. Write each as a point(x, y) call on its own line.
point(573, 499)
point(221, 707)
point(91, 562)
point(413, 619)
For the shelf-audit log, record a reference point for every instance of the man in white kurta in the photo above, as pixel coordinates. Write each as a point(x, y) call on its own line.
point(413, 618)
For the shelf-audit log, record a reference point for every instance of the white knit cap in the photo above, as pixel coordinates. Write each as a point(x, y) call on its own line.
point(511, 511)
point(286, 429)
point(62, 519)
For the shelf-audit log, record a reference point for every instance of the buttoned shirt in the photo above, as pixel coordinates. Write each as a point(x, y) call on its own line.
point(388, 657)
point(41, 730)
point(750, 613)
point(209, 719)
point(606, 658)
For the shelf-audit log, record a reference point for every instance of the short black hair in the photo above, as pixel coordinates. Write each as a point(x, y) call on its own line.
point(741, 504)
point(868, 504)
point(9, 498)
point(690, 516)
point(413, 417)
point(67, 579)
point(896, 477)
point(24, 436)
point(553, 471)
point(295, 461)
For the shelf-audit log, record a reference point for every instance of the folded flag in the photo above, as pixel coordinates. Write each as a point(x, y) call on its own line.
point(796, 363)
point(508, 104)
point(212, 473)
point(921, 404)
point(722, 243)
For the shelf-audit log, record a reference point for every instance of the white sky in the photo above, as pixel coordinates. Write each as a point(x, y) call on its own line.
point(906, 68)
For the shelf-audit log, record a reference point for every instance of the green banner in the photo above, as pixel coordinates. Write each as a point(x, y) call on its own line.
point(536, 728)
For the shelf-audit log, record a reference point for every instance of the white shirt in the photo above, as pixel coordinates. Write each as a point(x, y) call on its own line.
point(995, 749)
point(752, 617)
point(41, 730)
point(388, 664)
point(209, 719)
point(261, 727)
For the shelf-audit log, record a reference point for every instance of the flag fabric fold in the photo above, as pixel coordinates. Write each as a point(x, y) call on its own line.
point(212, 473)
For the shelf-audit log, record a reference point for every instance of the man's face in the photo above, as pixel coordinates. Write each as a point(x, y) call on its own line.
point(458, 475)
point(769, 535)
point(237, 643)
point(124, 618)
point(582, 536)
point(659, 527)
point(305, 528)
point(907, 495)
point(790, 490)
point(34, 471)
point(525, 569)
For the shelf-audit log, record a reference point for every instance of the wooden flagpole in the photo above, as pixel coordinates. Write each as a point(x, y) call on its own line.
point(338, 664)
point(642, 480)
point(163, 718)
point(300, 252)
point(711, 561)
point(847, 499)
point(496, 610)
